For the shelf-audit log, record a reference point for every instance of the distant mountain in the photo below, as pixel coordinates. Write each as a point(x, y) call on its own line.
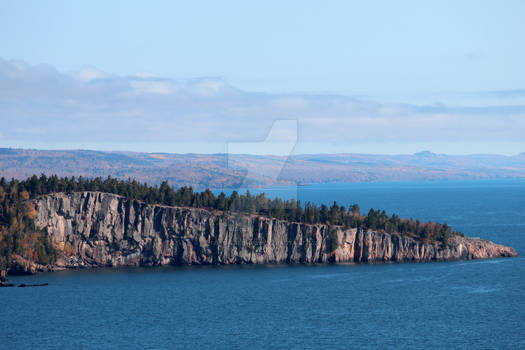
point(425, 154)
point(226, 171)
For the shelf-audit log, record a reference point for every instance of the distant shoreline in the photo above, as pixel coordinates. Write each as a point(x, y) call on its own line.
point(253, 171)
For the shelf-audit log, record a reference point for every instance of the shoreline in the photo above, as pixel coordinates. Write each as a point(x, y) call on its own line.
point(93, 268)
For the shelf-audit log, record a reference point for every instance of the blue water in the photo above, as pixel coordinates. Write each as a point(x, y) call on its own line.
point(470, 305)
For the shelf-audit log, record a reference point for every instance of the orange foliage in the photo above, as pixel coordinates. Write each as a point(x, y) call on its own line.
point(35, 236)
point(13, 225)
point(68, 249)
point(30, 210)
point(24, 195)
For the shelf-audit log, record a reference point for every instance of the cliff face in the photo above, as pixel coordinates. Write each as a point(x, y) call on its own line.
point(101, 229)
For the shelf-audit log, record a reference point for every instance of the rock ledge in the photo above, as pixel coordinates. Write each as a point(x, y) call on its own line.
point(94, 229)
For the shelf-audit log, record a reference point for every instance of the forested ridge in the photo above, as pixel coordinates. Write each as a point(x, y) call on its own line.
point(18, 234)
point(231, 170)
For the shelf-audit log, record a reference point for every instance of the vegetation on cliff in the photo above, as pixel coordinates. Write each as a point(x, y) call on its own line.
point(19, 236)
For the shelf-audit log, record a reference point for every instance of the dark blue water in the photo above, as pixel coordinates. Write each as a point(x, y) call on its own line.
point(474, 305)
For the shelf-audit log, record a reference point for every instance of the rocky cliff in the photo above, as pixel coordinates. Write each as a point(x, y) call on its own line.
point(101, 229)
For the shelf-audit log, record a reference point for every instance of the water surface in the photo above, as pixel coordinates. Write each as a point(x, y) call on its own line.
point(474, 304)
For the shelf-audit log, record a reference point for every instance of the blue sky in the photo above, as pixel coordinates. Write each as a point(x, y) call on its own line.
point(451, 68)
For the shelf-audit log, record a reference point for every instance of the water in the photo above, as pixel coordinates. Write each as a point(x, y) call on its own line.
point(475, 304)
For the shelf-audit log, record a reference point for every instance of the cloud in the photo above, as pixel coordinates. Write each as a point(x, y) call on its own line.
point(503, 93)
point(149, 86)
point(40, 104)
point(145, 75)
point(89, 73)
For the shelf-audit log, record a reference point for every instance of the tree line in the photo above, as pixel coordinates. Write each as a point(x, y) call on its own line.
point(18, 234)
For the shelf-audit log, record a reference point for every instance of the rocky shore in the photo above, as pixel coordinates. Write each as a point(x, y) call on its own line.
point(94, 229)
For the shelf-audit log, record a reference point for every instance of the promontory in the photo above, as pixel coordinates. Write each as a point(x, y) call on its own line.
point(75, 229)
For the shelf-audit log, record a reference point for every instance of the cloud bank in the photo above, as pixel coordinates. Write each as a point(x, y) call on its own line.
point(40, 105)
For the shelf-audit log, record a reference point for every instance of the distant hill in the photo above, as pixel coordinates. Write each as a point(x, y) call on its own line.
point(223, 171)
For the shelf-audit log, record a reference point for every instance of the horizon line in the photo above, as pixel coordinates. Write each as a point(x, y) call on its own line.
point(422, 152)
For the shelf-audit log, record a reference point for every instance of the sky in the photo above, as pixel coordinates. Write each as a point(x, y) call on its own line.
point(195, 76)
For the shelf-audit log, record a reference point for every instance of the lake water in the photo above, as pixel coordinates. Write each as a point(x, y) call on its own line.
point(474, 304)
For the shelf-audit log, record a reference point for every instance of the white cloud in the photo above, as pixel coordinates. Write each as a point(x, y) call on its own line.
point(207, 87)
point(145, 75)
point(39, 104)
point(153, 86)
point(19, 65)
point(293, 103)
point(89, 73)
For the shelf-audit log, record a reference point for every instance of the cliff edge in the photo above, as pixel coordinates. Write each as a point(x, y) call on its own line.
point(94, 229)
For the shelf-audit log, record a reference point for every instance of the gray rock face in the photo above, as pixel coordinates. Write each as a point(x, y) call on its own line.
point(101, 229)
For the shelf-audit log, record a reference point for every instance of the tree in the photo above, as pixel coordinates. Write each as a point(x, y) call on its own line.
point(17, 213)
point(221, 202)
point(332, 239)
